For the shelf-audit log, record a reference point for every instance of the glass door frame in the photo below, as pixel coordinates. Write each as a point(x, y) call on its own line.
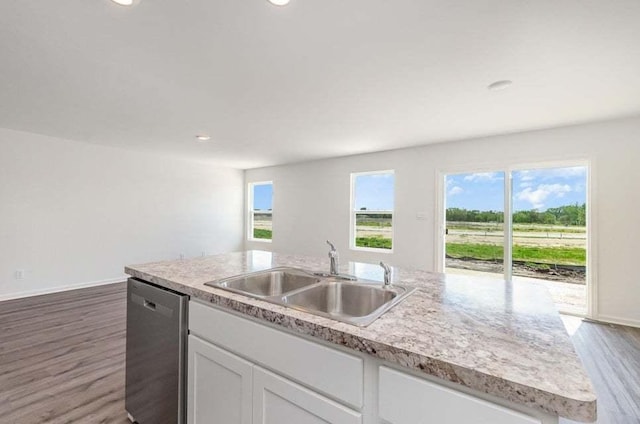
point(440, 221)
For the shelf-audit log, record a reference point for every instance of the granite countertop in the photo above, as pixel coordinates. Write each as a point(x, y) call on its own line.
point(502, 339)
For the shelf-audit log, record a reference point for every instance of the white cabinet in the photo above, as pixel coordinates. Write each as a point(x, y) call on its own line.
point(280, 377)
point(219, 386)
point(225, 389)
point(277, 400)
point(340, 377)
point(405, 399)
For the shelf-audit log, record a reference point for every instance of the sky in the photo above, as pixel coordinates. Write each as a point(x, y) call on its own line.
point(374, 191)
point(532, 189)
point(263, 196)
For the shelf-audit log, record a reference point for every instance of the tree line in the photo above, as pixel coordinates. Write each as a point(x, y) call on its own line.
point(562, 215)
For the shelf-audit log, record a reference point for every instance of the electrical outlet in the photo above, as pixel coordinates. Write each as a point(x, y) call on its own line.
point(19, 274)
point(182, 256)
point(204, 253)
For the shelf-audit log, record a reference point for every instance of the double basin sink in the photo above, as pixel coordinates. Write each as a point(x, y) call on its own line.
point(356, 303)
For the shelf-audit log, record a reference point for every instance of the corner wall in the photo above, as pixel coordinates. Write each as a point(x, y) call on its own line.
point(74, 214)
point(312, 200)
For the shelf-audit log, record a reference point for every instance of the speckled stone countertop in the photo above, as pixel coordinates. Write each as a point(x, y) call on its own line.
point(502, 339)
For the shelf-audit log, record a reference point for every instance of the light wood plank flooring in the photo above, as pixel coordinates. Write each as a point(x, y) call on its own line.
point(62, 360)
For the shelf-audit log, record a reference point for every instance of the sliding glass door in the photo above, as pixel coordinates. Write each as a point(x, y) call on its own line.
point(544, 235)
point(474, 231)
point(550, 232)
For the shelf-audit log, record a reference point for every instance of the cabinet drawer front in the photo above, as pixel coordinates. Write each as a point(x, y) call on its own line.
point(405, 399)
point(332, 372)
point(277, 400)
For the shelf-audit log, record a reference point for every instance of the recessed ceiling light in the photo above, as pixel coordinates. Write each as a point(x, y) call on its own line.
point(279, 2)
point(203, 137)
point(499, 85)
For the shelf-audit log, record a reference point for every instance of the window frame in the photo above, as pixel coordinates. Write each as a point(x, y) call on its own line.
point(251, 212)
point(353, 213)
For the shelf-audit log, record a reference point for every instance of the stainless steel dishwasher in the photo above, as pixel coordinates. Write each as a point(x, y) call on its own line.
point(155, 390)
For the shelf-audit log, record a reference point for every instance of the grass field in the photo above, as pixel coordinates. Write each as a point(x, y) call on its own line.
point(537, 254)
point(536, 243)
point(375, 224)
point(376, 242)
point(259, 233)
point(518, 227)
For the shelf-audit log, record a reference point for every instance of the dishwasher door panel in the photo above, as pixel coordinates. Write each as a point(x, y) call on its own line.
point(156, 351)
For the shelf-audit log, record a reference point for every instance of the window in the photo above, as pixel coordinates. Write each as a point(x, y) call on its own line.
point(372, 202)
point(261, 211)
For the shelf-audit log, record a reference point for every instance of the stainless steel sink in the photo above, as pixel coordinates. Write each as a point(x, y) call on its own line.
point(271, 282)
point(341, 299)
point(355, 303)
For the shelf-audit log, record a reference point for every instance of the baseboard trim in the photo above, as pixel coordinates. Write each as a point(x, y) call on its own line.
point(49, 290)
point(616, 320)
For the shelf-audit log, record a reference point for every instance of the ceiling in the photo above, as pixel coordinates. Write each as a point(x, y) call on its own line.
point(314, 79)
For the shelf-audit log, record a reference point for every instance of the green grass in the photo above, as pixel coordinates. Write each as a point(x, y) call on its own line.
point(374, 242)
point(374, 223)
point(474, 227)
point(475, 251)
point(524, 228)
point(545, 255)
point(533, 228)
point(262, 234)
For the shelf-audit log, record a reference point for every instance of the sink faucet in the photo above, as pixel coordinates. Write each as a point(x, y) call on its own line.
point(333, 257)
point(387, 274)
point(334, 266)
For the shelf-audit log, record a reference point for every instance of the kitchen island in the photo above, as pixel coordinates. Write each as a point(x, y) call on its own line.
point(501, 343)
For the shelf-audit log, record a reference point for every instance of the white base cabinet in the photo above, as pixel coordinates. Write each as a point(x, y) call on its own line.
point(277, 400)
point(219, 389)
point(336, 374)
point(244, 372)
point(226, 389)
point(406, 399)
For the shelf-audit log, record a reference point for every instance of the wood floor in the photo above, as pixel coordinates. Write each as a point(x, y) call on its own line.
point(62, 357)
point(611, 356)
point(62, 360)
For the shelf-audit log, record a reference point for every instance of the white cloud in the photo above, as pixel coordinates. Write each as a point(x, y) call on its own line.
point(538, 196)
point(525, 175)
point(551, 173)
point(455, 190)
point(483, 176)
point(525, 184)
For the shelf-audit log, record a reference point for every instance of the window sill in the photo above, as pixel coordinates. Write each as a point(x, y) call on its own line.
point(371, 249)
point(260, 240)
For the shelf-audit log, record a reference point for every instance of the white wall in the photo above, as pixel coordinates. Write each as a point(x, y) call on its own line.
point(312, 200)
point(73, 214)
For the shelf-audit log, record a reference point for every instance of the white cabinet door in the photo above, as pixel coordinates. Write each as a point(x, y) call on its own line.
point(404, 399)
point(296, 358)
point(277, 400)
point(219, 385)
